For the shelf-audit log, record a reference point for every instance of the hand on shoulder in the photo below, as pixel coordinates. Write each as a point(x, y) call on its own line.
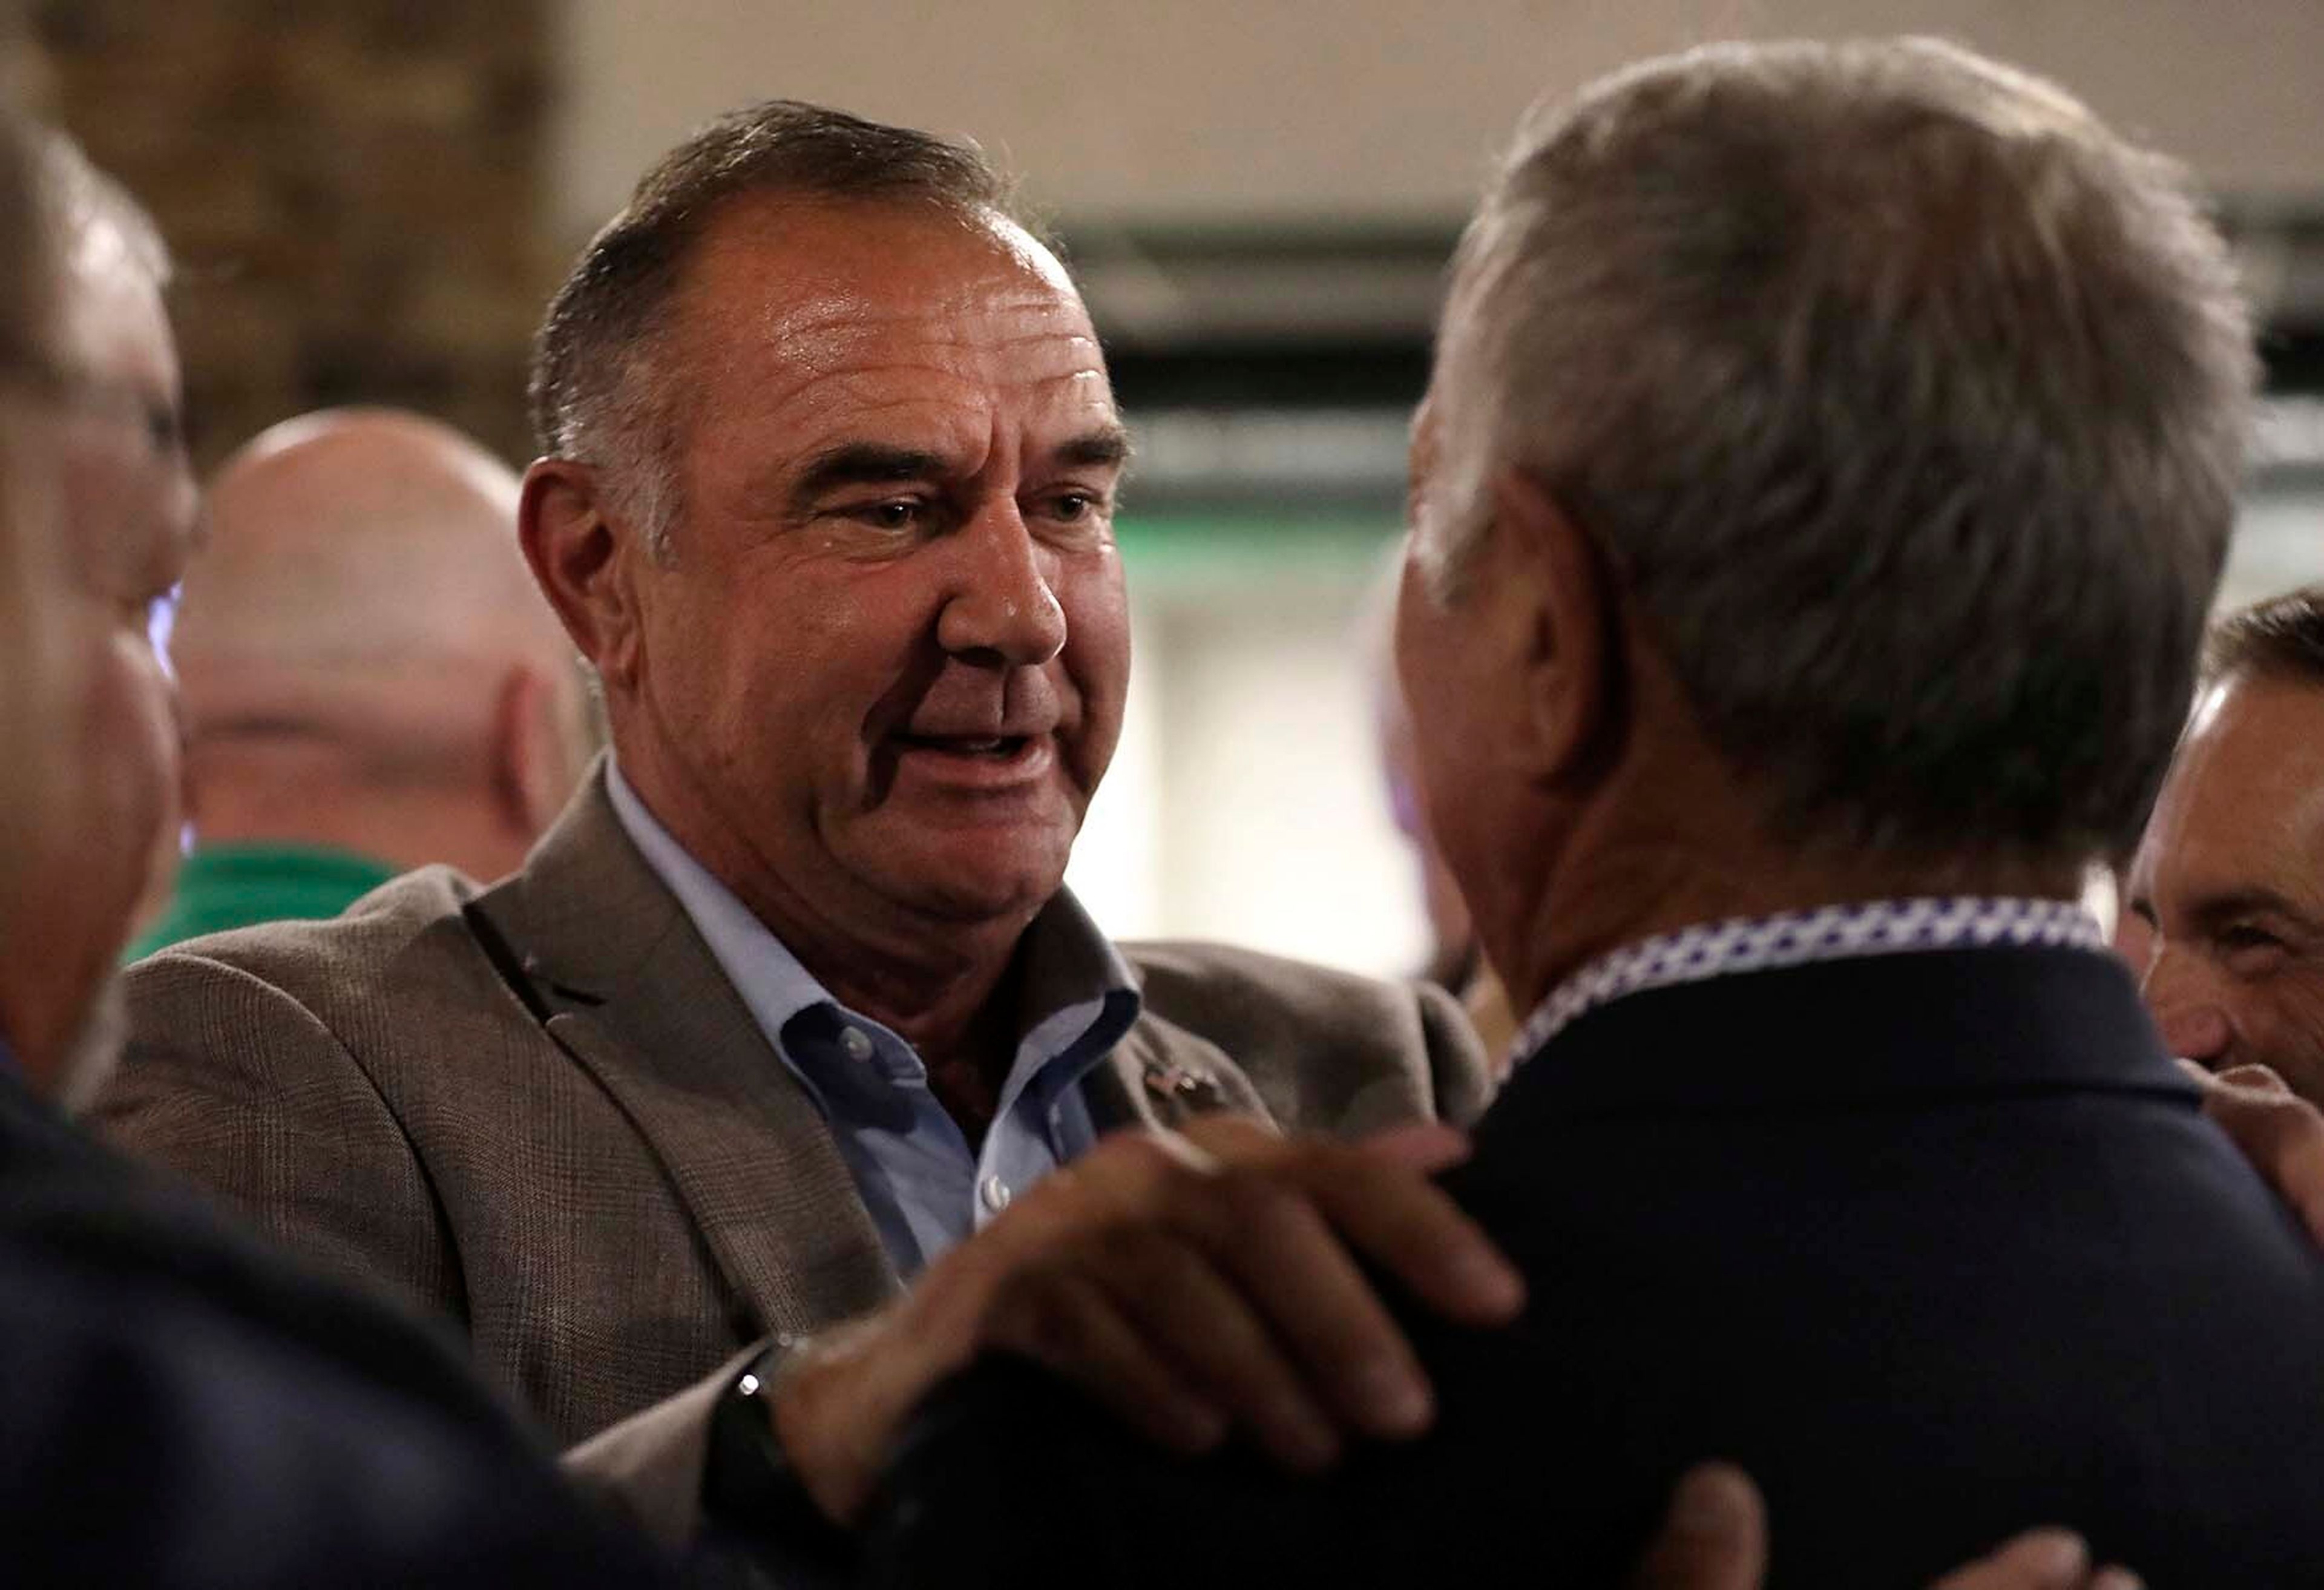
point(1195, 1283)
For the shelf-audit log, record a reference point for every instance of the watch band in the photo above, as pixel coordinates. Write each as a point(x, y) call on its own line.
point(749, 1489)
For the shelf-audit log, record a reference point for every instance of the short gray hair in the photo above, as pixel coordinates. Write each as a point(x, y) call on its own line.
point(596, 395)
point(1906, 404)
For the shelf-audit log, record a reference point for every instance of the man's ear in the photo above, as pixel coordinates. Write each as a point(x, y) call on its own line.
point(575, 548)
point(1567, 649)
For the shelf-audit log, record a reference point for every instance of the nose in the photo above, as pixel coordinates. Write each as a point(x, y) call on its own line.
point(1001, 609)
point(2193, 1020)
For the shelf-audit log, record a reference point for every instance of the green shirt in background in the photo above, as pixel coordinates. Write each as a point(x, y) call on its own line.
point(224, 886)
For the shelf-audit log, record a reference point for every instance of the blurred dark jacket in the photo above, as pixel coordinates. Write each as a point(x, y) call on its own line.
point(1937, 1246)
point(179, 1407)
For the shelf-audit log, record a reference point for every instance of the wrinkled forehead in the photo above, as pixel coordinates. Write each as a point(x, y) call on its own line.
point(818, 284)
point(835, 316)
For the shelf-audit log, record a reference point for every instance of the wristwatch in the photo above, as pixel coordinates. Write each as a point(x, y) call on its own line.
point(749, 1487)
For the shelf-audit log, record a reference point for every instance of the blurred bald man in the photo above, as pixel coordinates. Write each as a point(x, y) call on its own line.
point(370, 681)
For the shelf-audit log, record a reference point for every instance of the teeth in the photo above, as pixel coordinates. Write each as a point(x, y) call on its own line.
point(966, 745)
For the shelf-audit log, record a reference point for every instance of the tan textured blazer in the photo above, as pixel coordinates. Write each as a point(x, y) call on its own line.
point(540, 1109)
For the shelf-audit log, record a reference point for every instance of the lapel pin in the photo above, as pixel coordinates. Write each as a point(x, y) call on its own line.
point(1182, 1088)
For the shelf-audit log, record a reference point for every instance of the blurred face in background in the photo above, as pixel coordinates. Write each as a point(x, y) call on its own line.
point(96, 454)
point(2228, 885)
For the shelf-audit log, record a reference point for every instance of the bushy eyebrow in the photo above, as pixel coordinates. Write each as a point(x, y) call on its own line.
point(1095, 449)
point(872, 462)
point(862, 463)
point(2214, 912)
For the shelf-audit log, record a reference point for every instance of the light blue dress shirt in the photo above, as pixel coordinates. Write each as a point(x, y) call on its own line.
point(911, 1162)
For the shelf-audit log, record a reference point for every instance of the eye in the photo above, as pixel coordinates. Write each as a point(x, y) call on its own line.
point(2248, 949)
point(1076, 507)
point(889, 513)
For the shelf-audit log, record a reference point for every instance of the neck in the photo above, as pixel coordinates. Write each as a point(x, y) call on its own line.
point(941, 991)
point(314, 793)
point(939, 981)
point(1639, 880)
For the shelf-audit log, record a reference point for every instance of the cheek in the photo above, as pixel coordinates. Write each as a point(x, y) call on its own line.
point(1097, 625)
point(138, 754)
point(1096, 657)
point(2292, 1020)
point(120, 790)
point(1434, 698)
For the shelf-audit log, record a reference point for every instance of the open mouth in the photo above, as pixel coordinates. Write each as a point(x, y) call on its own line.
point(988, 747)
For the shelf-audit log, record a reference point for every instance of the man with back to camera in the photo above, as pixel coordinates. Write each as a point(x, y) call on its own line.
point(2228, 886)
point(370, 682)
point(1829, 459)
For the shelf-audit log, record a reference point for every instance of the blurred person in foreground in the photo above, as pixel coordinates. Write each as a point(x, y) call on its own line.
point(2227, 887)
point(370, 681)
point(177, 1405)
point(1828, 462)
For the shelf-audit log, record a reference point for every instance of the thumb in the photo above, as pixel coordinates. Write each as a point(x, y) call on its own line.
point(1713, 1538)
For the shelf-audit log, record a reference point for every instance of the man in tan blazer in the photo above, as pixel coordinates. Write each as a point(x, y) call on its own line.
point(791, 1007)
point(541, 1108)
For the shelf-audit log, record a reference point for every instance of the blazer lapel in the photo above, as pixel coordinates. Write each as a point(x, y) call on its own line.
point(625, 985)
point(1162, 1077)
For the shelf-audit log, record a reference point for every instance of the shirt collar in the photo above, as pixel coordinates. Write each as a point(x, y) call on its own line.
point(1070, 965)
point(1798, 938)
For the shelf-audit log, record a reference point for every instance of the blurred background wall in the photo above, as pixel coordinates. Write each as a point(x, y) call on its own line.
point(371, 199)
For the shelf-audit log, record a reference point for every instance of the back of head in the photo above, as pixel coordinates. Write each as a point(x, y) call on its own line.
point(361, 597)
point(600, 390)
point(1906, 404)
point(351, 540)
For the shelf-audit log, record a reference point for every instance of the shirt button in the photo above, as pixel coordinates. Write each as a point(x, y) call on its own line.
point(857, 1042)
point(995, 1194)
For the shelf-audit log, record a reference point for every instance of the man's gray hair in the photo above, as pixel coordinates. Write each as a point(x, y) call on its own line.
point(600, 392)
point(1905, 401)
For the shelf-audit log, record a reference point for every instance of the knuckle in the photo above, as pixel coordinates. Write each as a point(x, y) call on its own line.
point(1035, 1313)
point(1055, 1330)
point(1258, 1203)
point(2253, 1078)
point(1222, 1131)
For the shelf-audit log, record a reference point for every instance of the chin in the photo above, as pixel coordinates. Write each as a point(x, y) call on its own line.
point(973, 876)
point(983, 894)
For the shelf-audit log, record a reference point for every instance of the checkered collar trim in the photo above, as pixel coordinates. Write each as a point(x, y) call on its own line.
point(1798, 938)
